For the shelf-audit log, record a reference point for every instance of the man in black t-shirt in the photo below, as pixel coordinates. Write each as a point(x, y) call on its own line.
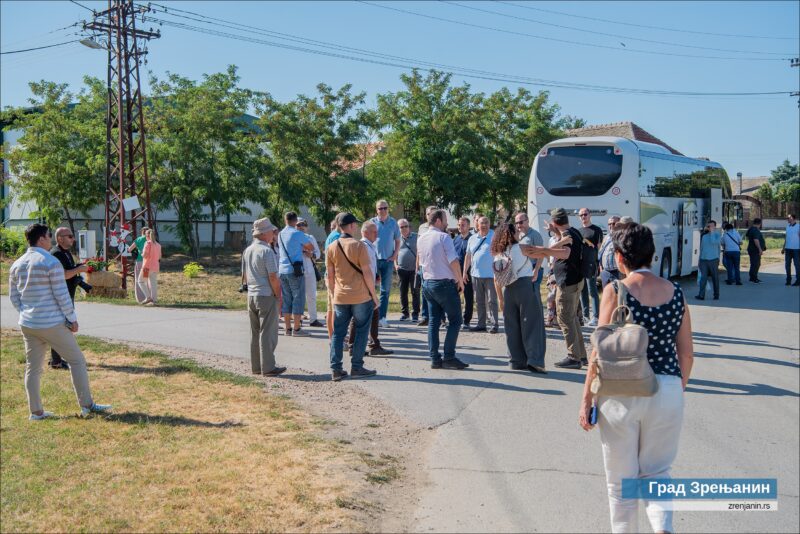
point(593, 235)
point(569, 283)
point(755, 248)
point(64, 241)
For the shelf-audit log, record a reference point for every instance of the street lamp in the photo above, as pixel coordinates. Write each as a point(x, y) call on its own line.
point(91, 43)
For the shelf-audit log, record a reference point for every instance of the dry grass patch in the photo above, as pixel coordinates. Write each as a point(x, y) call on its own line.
point(187, 449)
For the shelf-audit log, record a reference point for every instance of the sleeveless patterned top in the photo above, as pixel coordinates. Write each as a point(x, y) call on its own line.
point(662, 324)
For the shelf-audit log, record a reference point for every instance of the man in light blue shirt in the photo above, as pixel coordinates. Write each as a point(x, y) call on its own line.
point(708, 266)
point(291, 244)
point(478, 265)
point(388, 245)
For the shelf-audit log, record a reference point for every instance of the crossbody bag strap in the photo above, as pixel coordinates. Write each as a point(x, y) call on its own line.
point(353, 265)
point(405, 243)
point(478, 247)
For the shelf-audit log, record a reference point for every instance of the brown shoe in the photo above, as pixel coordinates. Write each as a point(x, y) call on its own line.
point(275, 372)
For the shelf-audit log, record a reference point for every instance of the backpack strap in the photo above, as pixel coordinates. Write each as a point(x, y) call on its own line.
point(622, 314)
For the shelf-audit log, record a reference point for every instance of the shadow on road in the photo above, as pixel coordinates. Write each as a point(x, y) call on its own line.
point(754, 359)
point(469, 382)
point(725, 388)
point(701, 338)
point(770, 295)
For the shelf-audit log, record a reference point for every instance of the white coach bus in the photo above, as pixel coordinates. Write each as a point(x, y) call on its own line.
point(673, 195)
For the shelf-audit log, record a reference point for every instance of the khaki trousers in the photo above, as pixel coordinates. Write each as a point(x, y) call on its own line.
point(149, 286)
point(567, 299)
point(37, 341)
point(137, 287)
point(263, 312)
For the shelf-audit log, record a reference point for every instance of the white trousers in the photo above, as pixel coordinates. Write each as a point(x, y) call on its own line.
point(137, 288)
point(149, 286)
point(640, 440)
point(311, 288)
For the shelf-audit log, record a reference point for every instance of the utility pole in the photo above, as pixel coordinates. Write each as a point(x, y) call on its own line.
point(127, 185)
point(796, 63)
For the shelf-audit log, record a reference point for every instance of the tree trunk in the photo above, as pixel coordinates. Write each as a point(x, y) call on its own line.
point(213, 231)
point(71, 226)
point(196, 254)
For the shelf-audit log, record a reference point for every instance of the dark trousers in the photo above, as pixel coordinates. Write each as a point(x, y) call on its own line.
point(524, 323)
point(708, 269)
point(374, 342)
point(409, 280)
point(755, 265)
point(469, 301)
point(732, 262)
point(792, 255)
point(55, 357)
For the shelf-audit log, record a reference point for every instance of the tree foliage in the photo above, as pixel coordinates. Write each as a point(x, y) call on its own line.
point(785, 173)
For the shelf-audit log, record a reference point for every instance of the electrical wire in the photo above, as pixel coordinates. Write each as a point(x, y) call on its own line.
point(565, 41)
point(81, 5)
point(616, 36)
point(39, 47)
point(680, 30)
point(341, 52)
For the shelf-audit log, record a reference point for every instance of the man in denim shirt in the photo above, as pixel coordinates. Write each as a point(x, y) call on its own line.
point(708, 266)
point(388, 245)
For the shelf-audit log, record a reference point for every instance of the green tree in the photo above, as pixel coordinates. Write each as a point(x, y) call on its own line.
point(434, 148)
point(312, 143)
point(785, 173)
point(202, 152)
point(764, 193)
point(59, 163)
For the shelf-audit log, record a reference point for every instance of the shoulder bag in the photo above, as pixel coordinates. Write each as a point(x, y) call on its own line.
point(502, 266)
point(620, 355)
point(297, 266)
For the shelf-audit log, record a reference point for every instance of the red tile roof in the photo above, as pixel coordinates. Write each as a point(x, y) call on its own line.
point(628, 130)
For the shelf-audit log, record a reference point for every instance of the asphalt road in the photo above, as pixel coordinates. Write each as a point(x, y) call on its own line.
point(508, 455)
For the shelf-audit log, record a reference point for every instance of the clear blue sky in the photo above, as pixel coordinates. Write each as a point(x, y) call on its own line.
point(751, 135)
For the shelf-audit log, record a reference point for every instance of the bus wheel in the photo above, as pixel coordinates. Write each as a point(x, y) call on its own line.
point(666, 264)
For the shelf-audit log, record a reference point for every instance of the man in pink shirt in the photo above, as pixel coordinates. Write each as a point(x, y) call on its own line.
point(441, 284)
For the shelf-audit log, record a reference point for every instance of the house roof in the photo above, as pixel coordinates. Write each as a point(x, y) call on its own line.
point(627, 130)
point(749, 184)
point(365, 153)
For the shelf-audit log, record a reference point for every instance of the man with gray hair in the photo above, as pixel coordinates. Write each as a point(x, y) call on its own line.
point(263, 287)
point(406, 272)
point(422, 229)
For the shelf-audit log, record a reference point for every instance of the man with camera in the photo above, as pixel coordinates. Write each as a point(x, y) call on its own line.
point(64, 241)
point(292, 243)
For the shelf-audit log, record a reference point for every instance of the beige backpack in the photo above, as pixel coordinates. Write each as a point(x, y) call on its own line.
point(620, 355)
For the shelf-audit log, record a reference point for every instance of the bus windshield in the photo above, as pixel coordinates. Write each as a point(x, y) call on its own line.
point(576, 171)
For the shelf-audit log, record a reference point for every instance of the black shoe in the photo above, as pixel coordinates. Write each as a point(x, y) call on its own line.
point(788, 282)
point(423, 322)
point(338, 375)
point(465, 327)
point(454, 363)
point(363, 372)
point(728, 282)
point(494, 330)
point(585, 361)
point(757, 281)
point(738, 283)
point(797, 283)
point(275, 372)
point(414, 318)
point(478, 329)
point(716, 297)
point(404, 318)
point(699, 297)
point(535, 369)
point(316, 324)
point(569, 363)
point(60, 365)
point(380, 351)
point(520, 367)
point(436, 364)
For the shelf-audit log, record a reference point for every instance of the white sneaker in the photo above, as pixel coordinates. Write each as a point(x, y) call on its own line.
point(95, 408)
point(593, 322)
point(383, 323)
point(45, 415)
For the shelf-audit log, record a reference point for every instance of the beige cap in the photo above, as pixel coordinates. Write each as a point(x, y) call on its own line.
point(262, 226)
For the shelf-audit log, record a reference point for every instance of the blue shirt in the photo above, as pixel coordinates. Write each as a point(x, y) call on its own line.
point(388, 233)
point(460, 244)
point(478, 247)
point(709, 246)
point(290, 248)
point(333, 236)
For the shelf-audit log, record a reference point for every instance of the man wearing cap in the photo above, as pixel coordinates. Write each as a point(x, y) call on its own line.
point(569, 283)
point(351, 282)
point(261, 275)
point(309, 257)
point(441, 284)
point(388, 246)
point(292, 243)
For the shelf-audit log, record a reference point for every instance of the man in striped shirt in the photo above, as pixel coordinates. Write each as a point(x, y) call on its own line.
point(38, 291)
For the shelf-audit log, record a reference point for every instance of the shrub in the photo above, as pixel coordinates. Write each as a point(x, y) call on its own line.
point(12, 242)
point(192, 270)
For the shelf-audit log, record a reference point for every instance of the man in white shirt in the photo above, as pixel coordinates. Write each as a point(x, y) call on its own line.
point(38, 291)
point(791, 250)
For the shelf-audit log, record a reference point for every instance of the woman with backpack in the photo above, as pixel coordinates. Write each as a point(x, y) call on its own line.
point(640, 419)
point(522, 306)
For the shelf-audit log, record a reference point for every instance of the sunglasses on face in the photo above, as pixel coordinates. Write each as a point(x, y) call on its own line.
point(583, 215)
point(406, 226)
point(520, 222)
point(383, 208)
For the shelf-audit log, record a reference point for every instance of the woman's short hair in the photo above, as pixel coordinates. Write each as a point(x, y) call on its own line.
point(505, 235)
point(635, 242)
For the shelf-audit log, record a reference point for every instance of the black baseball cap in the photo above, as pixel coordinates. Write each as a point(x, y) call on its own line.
point(344, 219)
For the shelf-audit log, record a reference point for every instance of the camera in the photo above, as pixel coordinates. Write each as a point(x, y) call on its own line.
point(242, 288)
point(82, 283)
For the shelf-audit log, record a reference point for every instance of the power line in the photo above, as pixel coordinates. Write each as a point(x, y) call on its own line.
point(342, 52)
point(680, 30)
point(617, 36)
point(39, 47)
point(577, 43)
point(81, 5)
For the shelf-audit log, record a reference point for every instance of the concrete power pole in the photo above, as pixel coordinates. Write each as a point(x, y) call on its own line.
point(127, 185)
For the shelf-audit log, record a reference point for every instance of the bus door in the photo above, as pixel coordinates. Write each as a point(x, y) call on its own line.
point(681, 243)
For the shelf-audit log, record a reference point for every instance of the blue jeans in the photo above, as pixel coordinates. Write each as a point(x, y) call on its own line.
point(362, 315)
point(385, 270)
point(792, 255)
point(443, 300)
point(590, 288)
point(732, 262)
point(537, 284)
point(293, 291)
